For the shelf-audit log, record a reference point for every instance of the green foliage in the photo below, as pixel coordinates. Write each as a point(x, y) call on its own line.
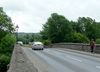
point(7, 43)
point(56, 28)
point(26, 37)
point(98, 41)
point(4, 60)
point(69, 37)
point(5, 24)
point(32, 38)
point(88, 26)
point(7, 40)
point(46, 42)
point(59, 29)
point(37, 37)
point(29, 37)
point(80, 38)
point(6, 48)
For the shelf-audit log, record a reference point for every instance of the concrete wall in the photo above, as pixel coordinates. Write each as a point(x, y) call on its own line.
point(76, 46)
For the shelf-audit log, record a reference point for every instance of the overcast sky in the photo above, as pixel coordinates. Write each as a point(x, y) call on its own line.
point(31, 14)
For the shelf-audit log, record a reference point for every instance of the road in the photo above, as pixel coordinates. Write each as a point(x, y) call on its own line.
point(57, 60)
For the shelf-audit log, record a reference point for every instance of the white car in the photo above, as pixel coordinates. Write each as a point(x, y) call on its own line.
point(20, 43)
point(37, 46)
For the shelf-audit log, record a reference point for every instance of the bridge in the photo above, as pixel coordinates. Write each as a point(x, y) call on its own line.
point(58, 57)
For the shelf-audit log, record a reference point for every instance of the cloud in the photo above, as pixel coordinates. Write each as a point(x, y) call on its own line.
point(31, 14)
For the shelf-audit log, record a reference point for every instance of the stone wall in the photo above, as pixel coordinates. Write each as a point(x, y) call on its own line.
point(76, 46)
point(20, 62)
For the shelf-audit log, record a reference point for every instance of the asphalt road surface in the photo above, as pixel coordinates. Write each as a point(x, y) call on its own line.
point(56, 60)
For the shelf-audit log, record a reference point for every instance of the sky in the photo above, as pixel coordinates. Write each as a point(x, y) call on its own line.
point(30, 15)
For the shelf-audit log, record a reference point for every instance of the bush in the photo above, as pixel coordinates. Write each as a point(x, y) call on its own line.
point(46, 42)
point(4, 61)
point(80, 38)
point(8, 41)
point(98, 41)
point(6, 47)
point(68, 38)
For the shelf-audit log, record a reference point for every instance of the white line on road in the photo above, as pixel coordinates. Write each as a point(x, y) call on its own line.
point(98, 67)
point(75, 59)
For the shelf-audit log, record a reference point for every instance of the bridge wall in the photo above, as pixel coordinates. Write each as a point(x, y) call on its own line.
point(76, 46)
point(20, 62)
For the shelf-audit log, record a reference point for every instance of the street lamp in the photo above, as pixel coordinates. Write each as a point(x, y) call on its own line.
point(17, 27)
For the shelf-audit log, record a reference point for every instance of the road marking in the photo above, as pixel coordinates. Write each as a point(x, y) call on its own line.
point(75, 59)
point(98, 67)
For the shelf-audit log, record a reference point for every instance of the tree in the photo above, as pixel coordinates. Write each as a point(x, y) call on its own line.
point(59, 29)
point(88, 27)
point(56, 28)
point(44, 32)
point(7, 43)
point(32, 38)
point(79, 38)
point(97, 28)
point(6, 25)
point(7, 40)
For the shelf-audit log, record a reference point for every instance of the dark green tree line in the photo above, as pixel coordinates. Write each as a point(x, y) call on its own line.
point(29, 37)
point(59, 29)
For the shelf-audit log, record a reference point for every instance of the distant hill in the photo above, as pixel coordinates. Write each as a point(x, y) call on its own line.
point(27, 37)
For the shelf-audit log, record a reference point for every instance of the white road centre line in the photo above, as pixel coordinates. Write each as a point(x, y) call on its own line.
point(98, 67)
point(74, 59)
